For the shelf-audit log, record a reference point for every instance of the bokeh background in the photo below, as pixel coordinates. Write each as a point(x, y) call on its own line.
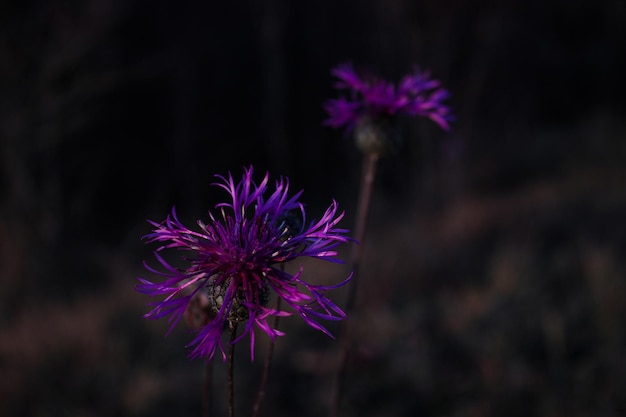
point(494, 276)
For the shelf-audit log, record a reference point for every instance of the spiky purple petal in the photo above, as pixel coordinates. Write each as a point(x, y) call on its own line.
point(416, 95)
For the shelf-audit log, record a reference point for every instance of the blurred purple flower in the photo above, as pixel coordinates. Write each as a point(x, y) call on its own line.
point(374, 98)
point(235, 259)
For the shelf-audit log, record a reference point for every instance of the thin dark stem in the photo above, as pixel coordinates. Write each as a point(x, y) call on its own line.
point(266, 368)
point(207, 398)
point(370, 161)
point(231, 363)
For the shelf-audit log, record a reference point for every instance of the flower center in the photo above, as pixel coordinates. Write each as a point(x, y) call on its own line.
point(239, 311)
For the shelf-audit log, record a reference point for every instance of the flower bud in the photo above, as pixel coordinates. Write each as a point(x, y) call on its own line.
point(380, 136)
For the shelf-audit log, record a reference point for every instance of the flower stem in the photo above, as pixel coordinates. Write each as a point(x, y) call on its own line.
point(231, 362)
point(266, 368)
point(370, 161)
point(207, 398)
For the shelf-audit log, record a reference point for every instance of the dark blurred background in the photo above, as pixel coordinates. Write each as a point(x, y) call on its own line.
point(494, 276)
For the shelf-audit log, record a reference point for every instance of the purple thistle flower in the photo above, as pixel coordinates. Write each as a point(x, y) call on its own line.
point(235, 258)
point(374, 99)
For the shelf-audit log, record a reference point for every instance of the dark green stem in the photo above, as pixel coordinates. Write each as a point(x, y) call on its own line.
point(370, 161)
point(231, 363)
point(207, 401)
point(266, 368)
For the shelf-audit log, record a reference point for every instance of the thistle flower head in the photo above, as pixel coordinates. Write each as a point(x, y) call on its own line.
point(372, 100)
point(234, 260)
